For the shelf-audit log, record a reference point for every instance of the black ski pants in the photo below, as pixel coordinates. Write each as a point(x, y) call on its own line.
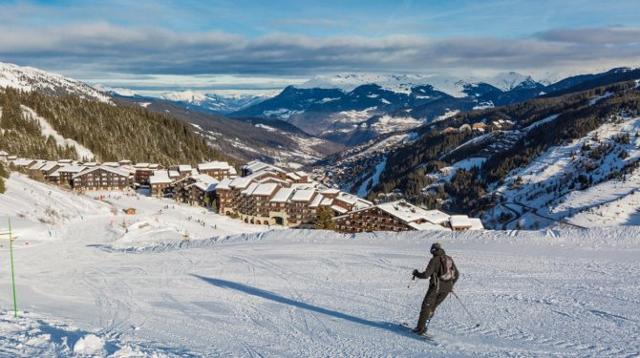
point(434, 297)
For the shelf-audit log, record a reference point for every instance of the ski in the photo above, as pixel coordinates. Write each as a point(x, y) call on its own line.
point(425, 337)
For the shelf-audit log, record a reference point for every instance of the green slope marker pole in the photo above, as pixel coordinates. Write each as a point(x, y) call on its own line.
point(13, 274)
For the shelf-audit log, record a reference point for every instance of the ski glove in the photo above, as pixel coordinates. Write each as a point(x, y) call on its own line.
point(416, 272)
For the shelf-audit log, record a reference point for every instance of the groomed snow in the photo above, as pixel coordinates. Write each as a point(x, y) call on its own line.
point(228, 292)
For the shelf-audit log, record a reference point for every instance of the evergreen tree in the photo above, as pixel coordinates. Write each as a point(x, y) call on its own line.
point(4, 173)
point(324, 219)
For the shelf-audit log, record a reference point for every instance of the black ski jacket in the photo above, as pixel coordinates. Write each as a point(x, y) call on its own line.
point(434, 269)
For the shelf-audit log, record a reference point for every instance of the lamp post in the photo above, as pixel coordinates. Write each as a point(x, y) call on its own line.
point(13, 275)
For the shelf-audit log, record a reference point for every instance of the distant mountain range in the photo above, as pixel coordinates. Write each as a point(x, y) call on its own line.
point(212, 102)
point(352, 109)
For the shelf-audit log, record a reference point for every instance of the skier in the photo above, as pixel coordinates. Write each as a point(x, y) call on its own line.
point(443, 274)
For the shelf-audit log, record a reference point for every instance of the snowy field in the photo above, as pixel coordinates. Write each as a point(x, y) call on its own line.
point(98, 287)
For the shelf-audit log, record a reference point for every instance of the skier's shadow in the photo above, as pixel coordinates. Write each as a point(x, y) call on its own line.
point(387, 326)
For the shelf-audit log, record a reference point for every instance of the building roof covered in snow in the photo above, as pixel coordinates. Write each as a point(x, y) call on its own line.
point(160, 177)
point(116, 171)
point(23, 162)
point(265, 189)
point(353, 200)
point(464, 222)
point(50, 165)
point(316, 201)
point(37, 165)
point(224, 184)
point(250, 188)
point(255, 166)
point(72, 169)
point(404, 211)
point(240, 182)
point(283, 195)
point(460, 222)
point(330, 191)
point(215, 165)
point(184, 168)
point(303, 195)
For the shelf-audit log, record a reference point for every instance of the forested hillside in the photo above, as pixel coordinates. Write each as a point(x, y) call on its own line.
point(524, 157)
point(577, 115)
point(111, 132)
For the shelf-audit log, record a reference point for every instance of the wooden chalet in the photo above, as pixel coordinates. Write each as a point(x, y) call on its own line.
point(101, 178)
point(142, 172)
point(160, 183)
point(64, 175)
point(217, 170)
point(394, 216)
point(196, 189)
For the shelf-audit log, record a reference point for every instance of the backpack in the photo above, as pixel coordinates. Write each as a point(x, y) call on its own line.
point(447, 272)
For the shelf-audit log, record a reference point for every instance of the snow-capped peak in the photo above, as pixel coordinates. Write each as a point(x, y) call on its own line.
point(510, 80)
point(185, 96)
point(32, 79)
point(222, 103)
point(403, 83)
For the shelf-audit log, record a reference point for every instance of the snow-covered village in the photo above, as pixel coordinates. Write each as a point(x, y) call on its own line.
point(336, 179)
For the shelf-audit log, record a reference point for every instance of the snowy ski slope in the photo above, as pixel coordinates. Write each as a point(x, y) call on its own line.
point(97, 288)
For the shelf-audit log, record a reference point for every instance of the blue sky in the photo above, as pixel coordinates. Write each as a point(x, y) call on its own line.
point(265, 44)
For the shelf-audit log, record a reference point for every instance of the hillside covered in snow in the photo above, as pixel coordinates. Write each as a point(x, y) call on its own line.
point(526, 165)
point(30, 79)
point(176, 281)
point(38, 125)
point(84, 122)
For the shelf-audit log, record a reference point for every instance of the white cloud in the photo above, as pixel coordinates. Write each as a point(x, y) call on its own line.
point(84, 50)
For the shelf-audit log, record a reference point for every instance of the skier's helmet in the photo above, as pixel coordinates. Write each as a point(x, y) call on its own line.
point(435, 247)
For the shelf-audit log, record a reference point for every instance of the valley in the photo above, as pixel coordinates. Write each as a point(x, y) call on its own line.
point(464, 146)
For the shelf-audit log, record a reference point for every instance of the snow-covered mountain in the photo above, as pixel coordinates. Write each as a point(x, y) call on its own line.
point(354, 108)
point(404, 83)
point(198, 100)
point(265, 139)
point(214, 102)
point(31, 79)
point(565, 158)
point(348, 108)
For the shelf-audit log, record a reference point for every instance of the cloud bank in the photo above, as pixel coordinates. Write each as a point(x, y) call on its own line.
point(108, 48)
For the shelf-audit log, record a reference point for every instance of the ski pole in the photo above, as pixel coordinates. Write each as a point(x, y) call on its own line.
point(413, 278)
point(465, 308)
